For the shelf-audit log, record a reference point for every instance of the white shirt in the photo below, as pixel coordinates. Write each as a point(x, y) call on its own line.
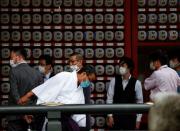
point(138, 93)
point(61, 88)
point(162, 80)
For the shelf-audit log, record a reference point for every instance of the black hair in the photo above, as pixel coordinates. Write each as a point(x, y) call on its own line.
point(159, 55)
point(127, 61)
point(89, 69)
point(47, 58)
point(19, 51)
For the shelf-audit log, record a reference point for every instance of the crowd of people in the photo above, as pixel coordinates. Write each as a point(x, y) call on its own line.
point(73, 86)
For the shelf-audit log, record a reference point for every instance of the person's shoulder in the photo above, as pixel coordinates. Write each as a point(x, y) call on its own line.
point(133, 77)
point(138, 82)
point(157, 73)
point(12, 70)
point(33, 70)
point(112, 80)
point(64, 73)
point(22, 65)
point(18, 68)
point(172, 70)
point(117, 76)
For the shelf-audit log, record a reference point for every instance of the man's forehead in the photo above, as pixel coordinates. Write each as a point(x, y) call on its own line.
point(42, 61)
point(122, 63)
point(14, 53)
point(73, 57)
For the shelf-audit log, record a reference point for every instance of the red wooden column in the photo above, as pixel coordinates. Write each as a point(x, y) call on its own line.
point(127, 26)
point(134, 34)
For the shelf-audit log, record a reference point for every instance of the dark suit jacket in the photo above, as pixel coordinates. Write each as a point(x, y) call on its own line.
point(23, 79)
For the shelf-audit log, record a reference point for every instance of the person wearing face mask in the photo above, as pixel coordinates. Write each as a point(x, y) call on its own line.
point(163, 79)
point(75, 61)
point(124, 88)
point(23, 78)
point(174, 63)
point(65, 88)
point(75, 64)
point(45, 66)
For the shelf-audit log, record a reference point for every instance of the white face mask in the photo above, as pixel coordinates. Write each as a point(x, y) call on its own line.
point(122, 70)
point(173, 64)
point(74, 67)
point(41, 69)
point(12, 63)
point(152, 67)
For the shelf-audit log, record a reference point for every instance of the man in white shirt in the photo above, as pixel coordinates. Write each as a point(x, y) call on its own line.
point(163, 79)
point(65, 88)
point(124, 88)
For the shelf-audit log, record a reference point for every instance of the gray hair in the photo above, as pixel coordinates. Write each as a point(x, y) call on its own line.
point(165, 114)
point(78, 55)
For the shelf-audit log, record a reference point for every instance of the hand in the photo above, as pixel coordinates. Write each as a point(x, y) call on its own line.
point(110, 121)
point(23, 100)
point(28, 118)
point(138, 125)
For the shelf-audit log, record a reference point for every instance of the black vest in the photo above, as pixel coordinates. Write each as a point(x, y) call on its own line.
point(127, 95)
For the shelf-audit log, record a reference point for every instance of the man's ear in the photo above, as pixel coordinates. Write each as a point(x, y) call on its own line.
point(84, 73)
point(49, 66)
point(81, 61)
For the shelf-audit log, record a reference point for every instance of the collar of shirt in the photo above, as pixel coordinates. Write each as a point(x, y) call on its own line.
point(22, 62)
point(125, 82)
point(46, 77)
point(164, 66)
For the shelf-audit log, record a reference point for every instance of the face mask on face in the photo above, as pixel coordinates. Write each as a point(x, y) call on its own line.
point(12, 63)
point(152, 67)
point(41, 69)
point(74, 67)
point(173, 64)
point(85, 84)
point(122, 70)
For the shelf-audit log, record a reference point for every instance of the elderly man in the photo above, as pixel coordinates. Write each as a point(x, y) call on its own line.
point(76, 61)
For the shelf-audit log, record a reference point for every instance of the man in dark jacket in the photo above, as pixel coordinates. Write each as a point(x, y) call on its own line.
point(23, 78)
point(46, 66)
